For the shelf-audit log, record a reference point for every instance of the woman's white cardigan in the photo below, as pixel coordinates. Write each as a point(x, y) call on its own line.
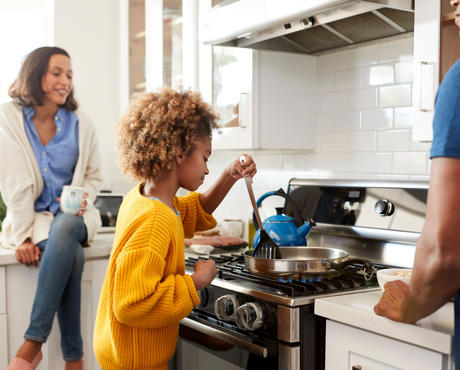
point(21, 182)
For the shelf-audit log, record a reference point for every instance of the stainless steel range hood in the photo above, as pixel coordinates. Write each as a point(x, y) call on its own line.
point(306, 26)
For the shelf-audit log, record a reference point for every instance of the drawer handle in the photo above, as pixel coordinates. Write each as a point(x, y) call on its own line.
point(356, 367)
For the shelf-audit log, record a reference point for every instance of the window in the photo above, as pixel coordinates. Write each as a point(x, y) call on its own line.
point(22, 30)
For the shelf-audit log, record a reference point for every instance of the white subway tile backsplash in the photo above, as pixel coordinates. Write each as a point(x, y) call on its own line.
point(364, 56)
point(268, 161)
point(350, 120)
point(403, 117)
point(376, 162)
point(326, 82)
point(363, 98)
point(396, 50)
point(324, 122)
point(331, 142)
point(334, 62)
point(348, 79)
point(295, 162)
point(380, 75)
point(393, 140)
point(395, 96)
point(377, 119)
point(417, 146)
point(410, 163)
point(404, 71)
point(333, 102)
point(362, 141)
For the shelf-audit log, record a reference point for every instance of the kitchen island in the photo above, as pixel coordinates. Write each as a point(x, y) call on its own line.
point(356, 336)
point(17, 290)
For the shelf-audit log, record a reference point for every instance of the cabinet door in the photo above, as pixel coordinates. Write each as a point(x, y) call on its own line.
point(3, 341)
point(427, 22)
point(348, 348)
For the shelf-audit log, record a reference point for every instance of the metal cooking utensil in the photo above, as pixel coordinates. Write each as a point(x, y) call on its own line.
point(303, 261)
point(266, 247)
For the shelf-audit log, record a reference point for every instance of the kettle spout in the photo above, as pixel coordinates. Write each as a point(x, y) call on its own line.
point(304, 229)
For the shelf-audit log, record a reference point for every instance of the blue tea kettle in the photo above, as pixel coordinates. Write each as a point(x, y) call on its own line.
point(282, 228)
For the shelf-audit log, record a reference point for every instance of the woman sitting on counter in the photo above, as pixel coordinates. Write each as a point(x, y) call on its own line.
point(49, 144)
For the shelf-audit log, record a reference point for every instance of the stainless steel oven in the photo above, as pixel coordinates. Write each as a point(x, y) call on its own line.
point(268, 323)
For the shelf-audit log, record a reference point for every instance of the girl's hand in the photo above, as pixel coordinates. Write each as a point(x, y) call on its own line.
point(83, 205)
point(239, 169)
point(28, 253)
point(205, 272)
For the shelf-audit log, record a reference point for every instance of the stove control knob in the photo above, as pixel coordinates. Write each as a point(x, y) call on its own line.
point(225, 307)
point(384, 208)
point(204, 297)
point(250, 316)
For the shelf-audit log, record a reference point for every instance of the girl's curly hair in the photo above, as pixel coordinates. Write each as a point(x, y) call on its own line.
point(158, 127)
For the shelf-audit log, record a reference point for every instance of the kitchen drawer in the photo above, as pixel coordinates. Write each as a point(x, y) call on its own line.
point(349, 348)
point(2, 290)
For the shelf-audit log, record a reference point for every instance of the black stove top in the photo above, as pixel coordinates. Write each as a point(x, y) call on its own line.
point(232, 268)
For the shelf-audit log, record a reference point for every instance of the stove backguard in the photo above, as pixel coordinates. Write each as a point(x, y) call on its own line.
point(380, 221)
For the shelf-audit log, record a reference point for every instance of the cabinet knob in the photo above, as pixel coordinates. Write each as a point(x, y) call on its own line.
point(356, 367)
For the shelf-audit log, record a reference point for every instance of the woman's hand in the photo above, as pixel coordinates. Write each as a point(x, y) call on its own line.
point(28, 253)
point(83, 205)
point(238, 169)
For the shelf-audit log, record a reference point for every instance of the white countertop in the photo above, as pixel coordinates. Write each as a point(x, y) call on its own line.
point(100, 247)
point(434, 332)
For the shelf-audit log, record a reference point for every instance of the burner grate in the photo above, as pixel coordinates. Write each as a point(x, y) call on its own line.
point(232, 267)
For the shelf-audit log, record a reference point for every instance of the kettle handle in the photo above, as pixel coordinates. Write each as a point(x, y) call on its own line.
point(280, 192)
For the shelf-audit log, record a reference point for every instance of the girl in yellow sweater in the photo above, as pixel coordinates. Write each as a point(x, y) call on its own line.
point(164, 142)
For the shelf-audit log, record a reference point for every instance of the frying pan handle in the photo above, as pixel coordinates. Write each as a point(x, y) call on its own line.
point(342, 265)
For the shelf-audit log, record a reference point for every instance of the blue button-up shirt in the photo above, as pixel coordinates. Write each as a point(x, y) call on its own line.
point(57, 159)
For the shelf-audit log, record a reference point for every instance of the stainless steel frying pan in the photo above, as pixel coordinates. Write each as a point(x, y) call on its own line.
point(299, 261)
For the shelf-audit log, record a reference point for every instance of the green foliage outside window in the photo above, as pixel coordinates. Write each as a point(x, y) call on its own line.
point(2, 211)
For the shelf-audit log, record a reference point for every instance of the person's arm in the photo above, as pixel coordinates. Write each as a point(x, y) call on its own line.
point(436, 273)
point(212, 197)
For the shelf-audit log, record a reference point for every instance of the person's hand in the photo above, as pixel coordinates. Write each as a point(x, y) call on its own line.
point(28, 253)
point(205, 272)
point(238, 169)
point(83, 205)
point(393, 303)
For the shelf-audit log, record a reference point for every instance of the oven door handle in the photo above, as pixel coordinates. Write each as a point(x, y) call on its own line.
point(241, 343)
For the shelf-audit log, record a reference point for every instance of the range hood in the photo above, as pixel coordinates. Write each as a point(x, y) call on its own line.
point(305, 26)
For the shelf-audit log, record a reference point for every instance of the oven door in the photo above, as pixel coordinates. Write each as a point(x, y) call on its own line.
point(212, 344)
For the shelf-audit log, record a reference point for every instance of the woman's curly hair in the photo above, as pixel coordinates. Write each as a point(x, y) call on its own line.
point(158, 127)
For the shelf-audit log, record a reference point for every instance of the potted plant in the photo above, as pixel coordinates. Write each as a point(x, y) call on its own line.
point(2, 211)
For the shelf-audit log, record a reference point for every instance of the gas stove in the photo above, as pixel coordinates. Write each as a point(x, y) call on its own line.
point(272, 319)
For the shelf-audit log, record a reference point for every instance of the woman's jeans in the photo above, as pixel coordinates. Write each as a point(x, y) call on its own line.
point(59, 285)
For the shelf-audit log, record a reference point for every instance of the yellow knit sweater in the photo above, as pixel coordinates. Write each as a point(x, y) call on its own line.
point(146, 291)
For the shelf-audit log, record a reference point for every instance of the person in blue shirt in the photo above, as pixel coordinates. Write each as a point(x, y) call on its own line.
point(48, 143)
point(436, 272)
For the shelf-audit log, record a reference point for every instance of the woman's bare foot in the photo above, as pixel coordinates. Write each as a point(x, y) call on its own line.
point(74, 365)
point(29, 350)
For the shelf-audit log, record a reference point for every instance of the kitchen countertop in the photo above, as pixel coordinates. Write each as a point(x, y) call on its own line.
point(100, 247)
point(434, 332)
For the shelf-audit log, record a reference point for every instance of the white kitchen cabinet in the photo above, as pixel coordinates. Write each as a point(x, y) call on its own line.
point(349, 348)
point(272, 95)
point(160, 48)
point(435, 51)
point(20, 292)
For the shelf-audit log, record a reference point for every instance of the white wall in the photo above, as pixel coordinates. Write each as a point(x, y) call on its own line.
point(90, 32)
point(364, 123)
